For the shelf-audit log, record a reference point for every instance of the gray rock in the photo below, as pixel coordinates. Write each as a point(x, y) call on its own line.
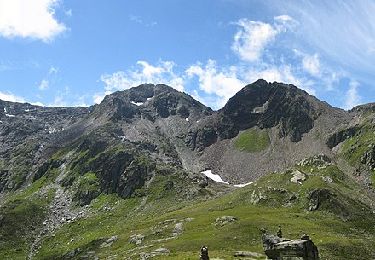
point(279, 248)
point(327, 179)
point(109, 242)
point(320, 160)
point(178, 229)
point(224, 220)
point(247, 254)
point(317, 197)
point(137, 239)
point(156, 252)
point(161, 251)
point(297, 177)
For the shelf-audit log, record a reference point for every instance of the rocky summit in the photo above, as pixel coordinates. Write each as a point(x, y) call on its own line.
point(152, 173)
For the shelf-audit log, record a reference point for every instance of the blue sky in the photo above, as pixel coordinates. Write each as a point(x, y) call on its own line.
point(73, 52)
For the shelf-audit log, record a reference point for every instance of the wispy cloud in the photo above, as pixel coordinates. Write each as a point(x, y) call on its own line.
point(69, 13)
point(311, 64)
point(65, 98)
point(342, 31)
point(45, 82)
point(352, 97)
point(53, 70)
point(5, 67)
point(137, 19)
point(29, 19)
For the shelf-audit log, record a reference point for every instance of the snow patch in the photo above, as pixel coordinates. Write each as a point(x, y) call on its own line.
point(27, 110)
point(242, 184)
point(136, 103)
point(6, 113)
point(214, 177)
point(52, 130)
point(149, 98)
point(187, 119)
point(262, 109)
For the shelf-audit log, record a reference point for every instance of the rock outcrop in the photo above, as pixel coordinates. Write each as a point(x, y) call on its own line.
point(277, 248)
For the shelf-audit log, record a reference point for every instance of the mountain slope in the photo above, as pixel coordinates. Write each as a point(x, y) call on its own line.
point(184, 131)
point(79, 182)
point(28, 135)
point(295, 123)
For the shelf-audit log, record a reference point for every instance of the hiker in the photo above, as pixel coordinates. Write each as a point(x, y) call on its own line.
point(204, 253)
point(279, 233)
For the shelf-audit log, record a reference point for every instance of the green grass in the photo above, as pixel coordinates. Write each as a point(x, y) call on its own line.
point(21, 218)
point(354, 147)
point(172, 195)
point(86, 188)
point(252, 140)
point(336, 238)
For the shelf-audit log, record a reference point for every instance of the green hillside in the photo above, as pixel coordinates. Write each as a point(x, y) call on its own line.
point(327, 205)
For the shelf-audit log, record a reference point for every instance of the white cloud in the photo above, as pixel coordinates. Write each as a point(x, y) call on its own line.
point(98, 97)
point(223, 83)
point(352, 97)
point(311, 64)
point(284, 23)
point(29, 19)
point(37, 104)
point(162, 73)
point(44, 84)
point(10, 97)
point(251, 39)
point(150, 71)
point(14, 98)
point(326, 76)
point(53, 70)
point(253, 36)
point(283, 18)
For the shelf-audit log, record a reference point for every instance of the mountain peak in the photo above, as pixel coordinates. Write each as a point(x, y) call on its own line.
point(151, 100)
point(266, 105)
